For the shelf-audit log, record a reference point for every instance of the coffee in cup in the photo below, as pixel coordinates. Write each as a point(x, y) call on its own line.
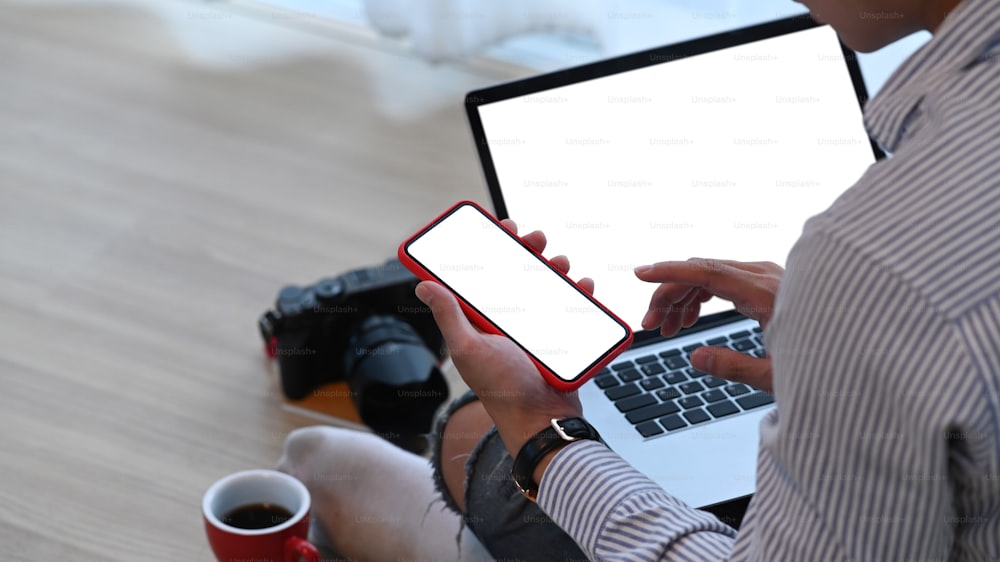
point(258, 515)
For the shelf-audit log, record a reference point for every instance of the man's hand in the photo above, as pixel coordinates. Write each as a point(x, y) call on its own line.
point(684, 286)
point(508, 384)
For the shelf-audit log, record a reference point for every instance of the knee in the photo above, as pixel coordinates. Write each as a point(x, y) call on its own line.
point(459, 436)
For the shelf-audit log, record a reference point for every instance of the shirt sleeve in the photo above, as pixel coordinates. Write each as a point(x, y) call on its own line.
point(858, 461)
point(615, 513)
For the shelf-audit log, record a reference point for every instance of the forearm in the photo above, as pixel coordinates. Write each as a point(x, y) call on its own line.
point(615, 513)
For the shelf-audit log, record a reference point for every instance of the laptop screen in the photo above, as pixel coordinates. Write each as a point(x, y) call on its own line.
point(668, 155)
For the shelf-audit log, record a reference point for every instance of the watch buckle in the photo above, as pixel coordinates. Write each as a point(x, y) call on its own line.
point(530, 494)
point(562, 433)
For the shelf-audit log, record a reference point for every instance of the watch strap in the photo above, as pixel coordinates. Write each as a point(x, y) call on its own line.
point(556, 435)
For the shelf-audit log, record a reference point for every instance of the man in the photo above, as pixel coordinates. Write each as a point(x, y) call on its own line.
point(884, 343)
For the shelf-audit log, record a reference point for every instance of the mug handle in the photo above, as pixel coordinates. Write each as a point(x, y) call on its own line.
point(296, 547)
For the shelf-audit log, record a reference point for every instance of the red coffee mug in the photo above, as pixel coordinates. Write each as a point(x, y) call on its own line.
point(283, 542)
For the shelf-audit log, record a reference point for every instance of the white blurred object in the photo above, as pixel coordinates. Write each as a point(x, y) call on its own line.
point(448, 30)
point(441, 30)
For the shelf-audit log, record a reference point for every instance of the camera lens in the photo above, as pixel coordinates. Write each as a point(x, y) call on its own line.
point(394, 379)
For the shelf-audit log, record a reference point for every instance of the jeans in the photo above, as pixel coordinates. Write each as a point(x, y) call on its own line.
point(509, 525)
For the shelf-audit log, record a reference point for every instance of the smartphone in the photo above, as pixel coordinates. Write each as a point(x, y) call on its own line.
point(507, 288)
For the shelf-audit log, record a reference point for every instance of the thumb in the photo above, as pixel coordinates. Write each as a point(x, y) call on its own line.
point(732, 365)
point(448, 315)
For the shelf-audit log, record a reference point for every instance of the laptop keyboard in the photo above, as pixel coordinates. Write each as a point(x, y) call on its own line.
point(662, 393)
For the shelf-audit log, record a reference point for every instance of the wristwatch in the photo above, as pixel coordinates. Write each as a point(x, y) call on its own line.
point(556, 435)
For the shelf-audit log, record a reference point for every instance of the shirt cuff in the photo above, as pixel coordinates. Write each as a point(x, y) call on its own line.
point(609, 507)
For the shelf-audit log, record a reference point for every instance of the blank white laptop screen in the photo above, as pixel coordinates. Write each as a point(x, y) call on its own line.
point(721, 155)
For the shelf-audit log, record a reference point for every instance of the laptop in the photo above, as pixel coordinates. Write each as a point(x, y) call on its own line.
point(719, 147)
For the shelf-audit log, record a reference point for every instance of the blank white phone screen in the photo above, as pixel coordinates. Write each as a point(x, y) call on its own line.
point(510, 286)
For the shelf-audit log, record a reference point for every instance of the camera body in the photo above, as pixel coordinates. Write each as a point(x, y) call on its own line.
point(365, 327)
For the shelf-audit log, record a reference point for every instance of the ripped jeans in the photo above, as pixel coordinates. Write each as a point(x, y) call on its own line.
point(509, 525)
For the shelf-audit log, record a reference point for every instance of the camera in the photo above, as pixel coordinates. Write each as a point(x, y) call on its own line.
point(365, 327)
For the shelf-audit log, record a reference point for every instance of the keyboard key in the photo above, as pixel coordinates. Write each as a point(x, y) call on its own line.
point(649, 429)
point(673, 422)
point(759, 341)
point(718, 341)
point(755, 400)
point(689, 402)
point(743, 345)
point(629, 375)
point(604, 371)
point(668, 394)
point(675, 377)
point(758, 330)
point(607, 381)
point(653, 369)
point(739, 335)
point(723, 409)
point(696, 416)
point(670, 353)
point(692, 347)
point(691, 387)
point(635, 402)
point(712, 382)
point(760, 353)
point(651, 384)
point(622, 366)
point(713, 396)
point(619, 392)
point(654, 411)
point(646, 359)
point(737, 389)
point(676, 362)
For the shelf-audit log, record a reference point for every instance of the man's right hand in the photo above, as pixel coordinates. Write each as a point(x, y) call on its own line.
point(684, 286)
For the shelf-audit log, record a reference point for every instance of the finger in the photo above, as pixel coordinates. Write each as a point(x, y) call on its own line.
point(681, 314)
point(587, 284)
point(458, 332)
point(662, 303)
point(673, 317)
point(715, 276)
point(536, 240)
point(561, 263)
point(690, 309)
point(735, 366)
point(671, 325)
point(764, 267)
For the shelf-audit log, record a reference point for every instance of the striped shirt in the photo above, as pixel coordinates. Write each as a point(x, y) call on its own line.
point(885, 342)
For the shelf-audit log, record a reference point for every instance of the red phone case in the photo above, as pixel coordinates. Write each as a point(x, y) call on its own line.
point(486, 325)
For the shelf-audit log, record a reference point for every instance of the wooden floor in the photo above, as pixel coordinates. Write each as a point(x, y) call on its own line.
point(150, 208)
